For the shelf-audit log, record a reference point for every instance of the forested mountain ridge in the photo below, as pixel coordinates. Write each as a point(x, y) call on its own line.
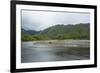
point(59, 32)
point(29, 32)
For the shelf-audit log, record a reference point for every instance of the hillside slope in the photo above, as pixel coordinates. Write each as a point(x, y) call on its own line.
point(61, 32)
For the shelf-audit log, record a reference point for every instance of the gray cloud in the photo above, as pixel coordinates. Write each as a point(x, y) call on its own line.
point(39, 20)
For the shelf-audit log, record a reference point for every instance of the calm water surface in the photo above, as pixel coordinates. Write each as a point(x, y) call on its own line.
point(37, 52)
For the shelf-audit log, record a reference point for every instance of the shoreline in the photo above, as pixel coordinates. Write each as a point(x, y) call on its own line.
point(61, 43)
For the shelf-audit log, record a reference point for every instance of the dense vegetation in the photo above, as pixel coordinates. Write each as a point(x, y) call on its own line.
point(58, 32)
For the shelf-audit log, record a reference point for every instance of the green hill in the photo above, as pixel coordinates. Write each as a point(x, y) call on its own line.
point(61, 32)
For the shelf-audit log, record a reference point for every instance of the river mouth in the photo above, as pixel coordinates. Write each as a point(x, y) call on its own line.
point(54, 50)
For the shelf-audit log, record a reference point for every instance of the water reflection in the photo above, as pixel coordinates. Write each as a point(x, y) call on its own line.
point(31, 52)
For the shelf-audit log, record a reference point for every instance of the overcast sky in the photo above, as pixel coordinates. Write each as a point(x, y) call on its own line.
point(39, 20)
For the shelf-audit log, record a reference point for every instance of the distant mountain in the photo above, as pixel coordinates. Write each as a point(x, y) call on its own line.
point(67, 31)
point(29, 32)
point(60, 32)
